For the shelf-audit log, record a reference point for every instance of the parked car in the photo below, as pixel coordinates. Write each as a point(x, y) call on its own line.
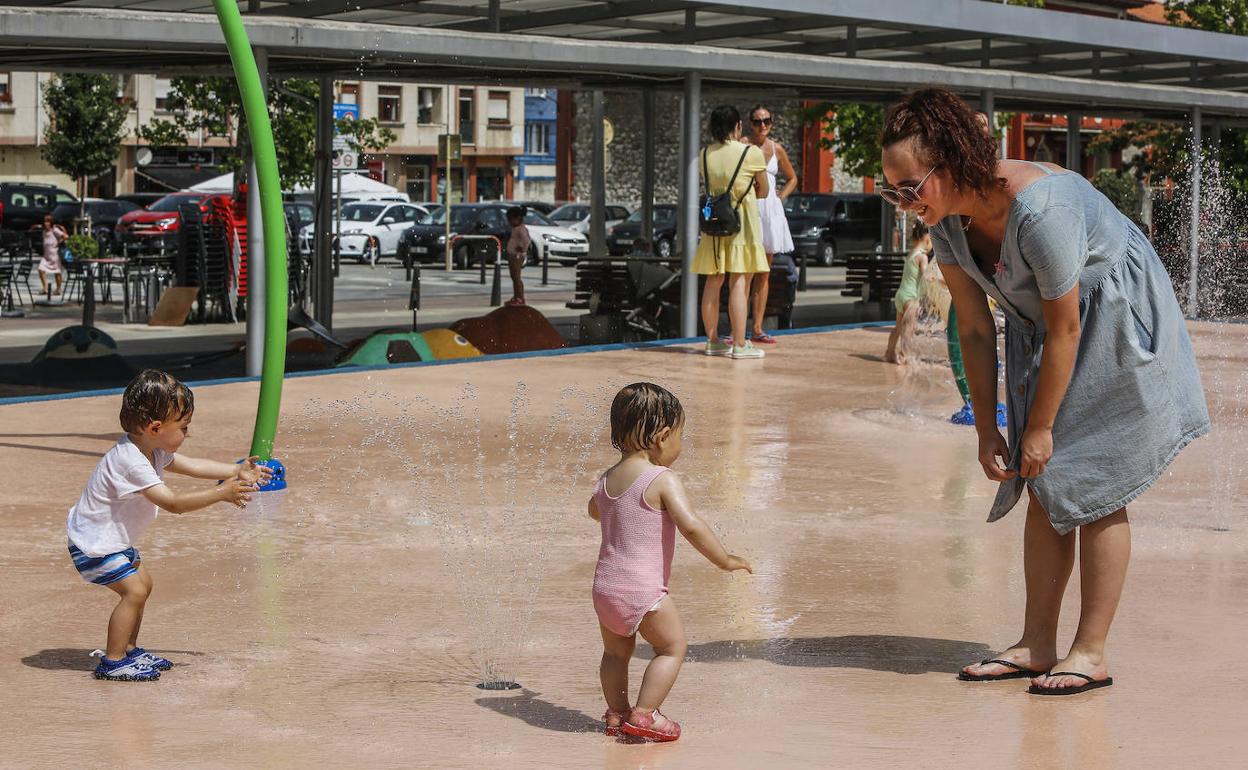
point(142, 200)
point(370, 230)
point(542, 207)
point(826, 225)
point(575, 216)
point(426, 241)
point(103, 215)
point(620, 238)
point(157, 224)
point(23, 205)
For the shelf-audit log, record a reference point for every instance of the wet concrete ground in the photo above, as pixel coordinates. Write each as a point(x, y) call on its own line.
point(348, 622)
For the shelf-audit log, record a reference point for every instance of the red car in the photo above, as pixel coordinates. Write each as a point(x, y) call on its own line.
point(160, 219)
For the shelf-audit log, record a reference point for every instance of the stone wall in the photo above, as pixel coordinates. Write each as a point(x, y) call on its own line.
point(624, 159)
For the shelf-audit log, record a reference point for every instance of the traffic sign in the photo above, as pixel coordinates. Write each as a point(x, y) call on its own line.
point(346, 160)
point(348, 111)
point(450, 147)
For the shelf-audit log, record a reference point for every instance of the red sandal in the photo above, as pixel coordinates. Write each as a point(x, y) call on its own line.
point(619, 717)
point(642, 726)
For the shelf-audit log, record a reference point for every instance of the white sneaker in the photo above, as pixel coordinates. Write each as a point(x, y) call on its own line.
point(746, 351)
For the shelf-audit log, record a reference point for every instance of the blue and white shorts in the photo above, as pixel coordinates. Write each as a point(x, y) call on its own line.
point(105, 569)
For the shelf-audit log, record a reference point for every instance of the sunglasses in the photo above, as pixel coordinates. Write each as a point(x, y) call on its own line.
point(898, 196)
point(761, 121)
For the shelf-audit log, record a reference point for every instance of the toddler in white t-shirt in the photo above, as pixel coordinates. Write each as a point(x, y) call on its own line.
point(120, 501)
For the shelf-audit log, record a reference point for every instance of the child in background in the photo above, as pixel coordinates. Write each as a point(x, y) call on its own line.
point(640, 505)
point(906, 300)
point(120, 501)
point(517, 252)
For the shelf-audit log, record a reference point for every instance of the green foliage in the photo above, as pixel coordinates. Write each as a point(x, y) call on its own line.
point(83, 246)
point(213, 105)
point(1164, 148)
point(1121, 188)
point(1229, 16)
point(1028, 3)
point(852, 131)
point(85, 130)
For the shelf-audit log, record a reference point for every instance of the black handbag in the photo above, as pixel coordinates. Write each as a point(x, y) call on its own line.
point(718, 216)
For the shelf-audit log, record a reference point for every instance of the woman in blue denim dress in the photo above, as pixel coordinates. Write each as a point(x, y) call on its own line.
point(1103, 390)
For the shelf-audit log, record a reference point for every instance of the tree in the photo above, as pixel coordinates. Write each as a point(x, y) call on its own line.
point(85, 128)
point(213, 106)
point(1121, 189)
point(1165, 148)
point(852, 131)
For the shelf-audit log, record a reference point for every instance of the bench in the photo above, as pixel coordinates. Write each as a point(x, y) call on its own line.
point(874, 276)
point(781, 295)
point(640, 297)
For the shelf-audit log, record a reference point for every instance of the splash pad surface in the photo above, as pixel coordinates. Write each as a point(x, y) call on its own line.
point(348, 621)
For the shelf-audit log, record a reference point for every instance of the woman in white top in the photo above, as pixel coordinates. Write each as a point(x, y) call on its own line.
point(775, 225)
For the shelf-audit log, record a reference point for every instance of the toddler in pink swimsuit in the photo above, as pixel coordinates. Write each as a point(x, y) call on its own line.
point(640, 504)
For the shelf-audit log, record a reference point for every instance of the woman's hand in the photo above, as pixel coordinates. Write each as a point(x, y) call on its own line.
point(991, 446)
point(1037, 450)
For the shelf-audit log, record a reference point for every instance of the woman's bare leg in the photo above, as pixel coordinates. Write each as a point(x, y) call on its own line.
point(710, 306)
point(738, 306)
point(760, 284)
point(1104, 552)
point(1048, 559)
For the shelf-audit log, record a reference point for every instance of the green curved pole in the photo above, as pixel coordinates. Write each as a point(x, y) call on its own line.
point(273, 366)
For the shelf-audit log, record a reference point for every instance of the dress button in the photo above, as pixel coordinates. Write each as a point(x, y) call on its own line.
point(1021, 390)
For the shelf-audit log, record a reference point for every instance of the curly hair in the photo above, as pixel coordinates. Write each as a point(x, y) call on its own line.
point(950, 135)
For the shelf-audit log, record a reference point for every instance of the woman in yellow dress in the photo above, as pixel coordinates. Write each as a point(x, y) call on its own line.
point(729, 163)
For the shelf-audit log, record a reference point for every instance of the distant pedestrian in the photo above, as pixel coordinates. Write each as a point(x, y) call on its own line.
point(54, 236)
point(517, 252)
point(775, 225)
point(739, 171)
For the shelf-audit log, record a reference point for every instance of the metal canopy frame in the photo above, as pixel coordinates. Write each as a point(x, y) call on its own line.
point(848, 50)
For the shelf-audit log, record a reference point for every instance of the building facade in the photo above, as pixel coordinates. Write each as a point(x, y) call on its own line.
point(490, 122)
point(535, 169)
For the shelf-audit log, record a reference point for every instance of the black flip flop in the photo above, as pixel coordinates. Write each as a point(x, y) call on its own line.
point(1018, 673)
point(1091, 685)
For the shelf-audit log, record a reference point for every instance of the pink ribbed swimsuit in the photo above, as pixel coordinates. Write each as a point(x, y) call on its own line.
point(635, 560)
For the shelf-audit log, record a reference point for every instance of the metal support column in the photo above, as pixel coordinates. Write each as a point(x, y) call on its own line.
point(323, 201)
point(691, 135)
point(598, 179)
point(1193, 268)
point(255, 249)
point(1074, 148)
point(648, 118)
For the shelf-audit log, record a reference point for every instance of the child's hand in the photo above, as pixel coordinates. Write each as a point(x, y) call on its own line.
point(255, 475)
point(736, 562)
point(237, 491)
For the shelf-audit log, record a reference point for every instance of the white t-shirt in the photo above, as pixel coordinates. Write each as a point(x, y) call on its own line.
point(112, 512)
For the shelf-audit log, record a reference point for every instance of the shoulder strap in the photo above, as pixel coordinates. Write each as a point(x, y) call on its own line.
point(734, 178)
point(706, 173)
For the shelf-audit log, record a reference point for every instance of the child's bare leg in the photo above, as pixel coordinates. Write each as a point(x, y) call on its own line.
point(123, 624)
point(665, 633)
point(907, 323)
point(1104, 551)
point(1048, 559)
point(890, 354)
point(146, 577)
point(617, 651)
point(515, 265)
